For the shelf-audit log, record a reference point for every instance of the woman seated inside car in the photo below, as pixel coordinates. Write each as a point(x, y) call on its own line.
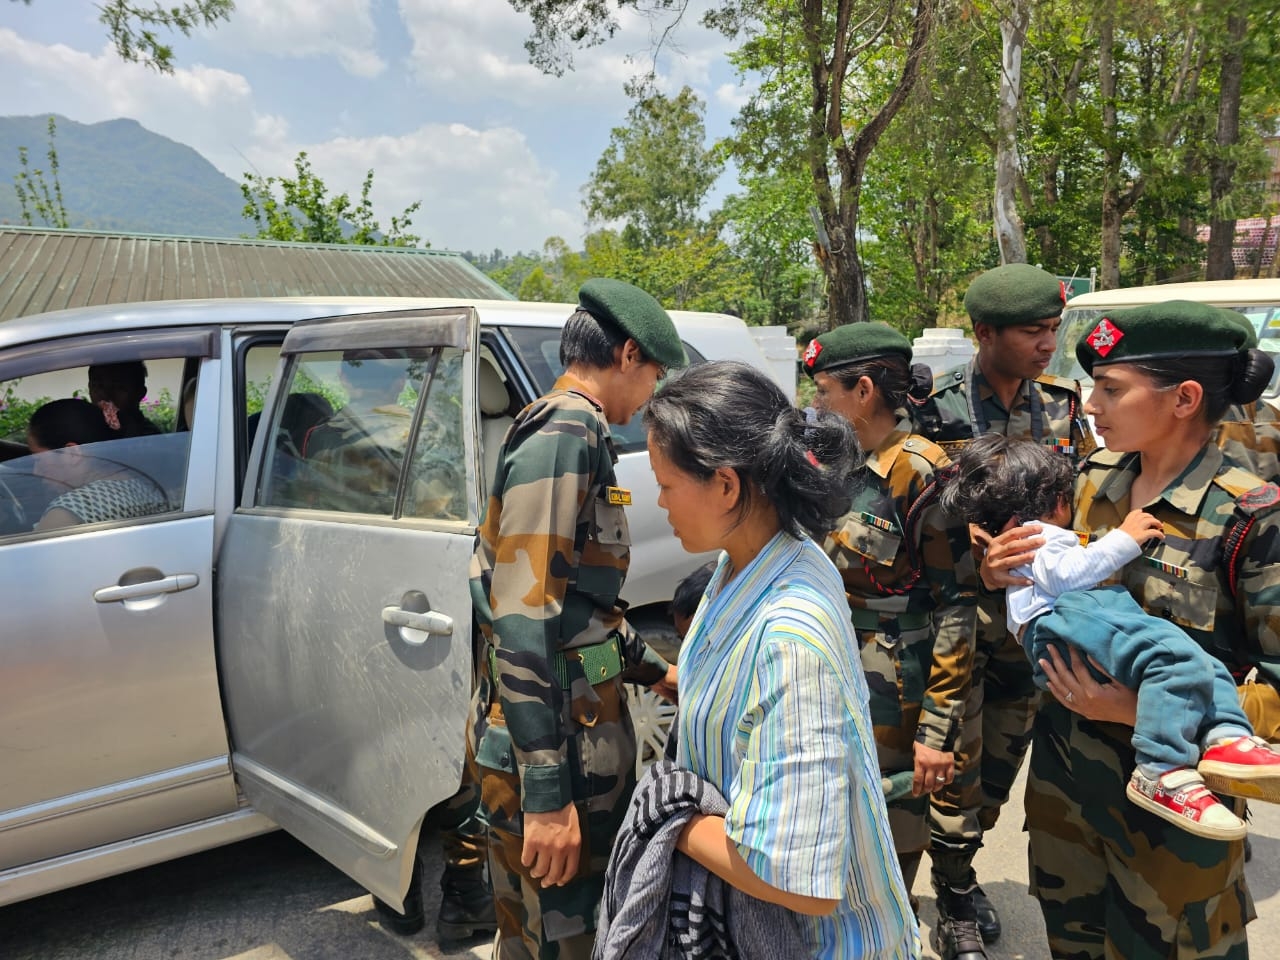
point(89, 486)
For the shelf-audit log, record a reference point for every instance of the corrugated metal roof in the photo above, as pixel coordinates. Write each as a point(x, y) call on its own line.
point(45, 269)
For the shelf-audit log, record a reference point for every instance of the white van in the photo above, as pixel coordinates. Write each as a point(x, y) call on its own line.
point(1259, 300)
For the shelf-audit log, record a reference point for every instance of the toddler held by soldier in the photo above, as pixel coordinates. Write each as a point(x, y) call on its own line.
point(1187, 700)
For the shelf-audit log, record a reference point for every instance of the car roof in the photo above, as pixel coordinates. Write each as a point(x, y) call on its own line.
point(1218, 292)
point(159, 314)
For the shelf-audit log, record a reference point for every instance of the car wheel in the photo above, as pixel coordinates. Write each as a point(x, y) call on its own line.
point(652, 717)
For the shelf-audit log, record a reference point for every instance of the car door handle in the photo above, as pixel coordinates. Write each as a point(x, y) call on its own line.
point(429, 623)
point(150, 588)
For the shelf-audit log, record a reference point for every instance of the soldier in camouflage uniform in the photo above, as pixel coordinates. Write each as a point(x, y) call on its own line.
point(1249, 434)
point(550, 728)
point(1112, 879)
point(908, 575)
point(1016, 310)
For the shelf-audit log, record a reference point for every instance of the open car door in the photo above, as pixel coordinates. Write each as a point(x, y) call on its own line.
point(344, 615)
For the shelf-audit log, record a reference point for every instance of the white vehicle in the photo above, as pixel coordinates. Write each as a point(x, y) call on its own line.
point(1259, 300)
point(249, 654)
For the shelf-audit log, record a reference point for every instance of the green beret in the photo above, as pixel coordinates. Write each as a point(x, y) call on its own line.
point(637, 315)
point(1175, 328)
point(1014, 294)
point(852, 342)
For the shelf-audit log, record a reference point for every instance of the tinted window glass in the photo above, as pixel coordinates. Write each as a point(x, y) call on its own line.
point(343, 434)
point(539, 348)
point(102, 455)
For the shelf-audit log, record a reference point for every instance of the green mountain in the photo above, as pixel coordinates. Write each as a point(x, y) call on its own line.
point(116, 175)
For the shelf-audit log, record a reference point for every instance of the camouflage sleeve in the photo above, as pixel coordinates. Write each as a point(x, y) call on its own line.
point(548, 474)
point(948, 565)
point(1258, 595)
point(644, 664)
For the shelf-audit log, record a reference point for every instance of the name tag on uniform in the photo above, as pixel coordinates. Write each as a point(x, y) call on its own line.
point(880, 523)
point(618, 496)
point(1172, 569)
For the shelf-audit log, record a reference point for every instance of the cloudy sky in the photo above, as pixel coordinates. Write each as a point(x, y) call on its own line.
point(437, 96)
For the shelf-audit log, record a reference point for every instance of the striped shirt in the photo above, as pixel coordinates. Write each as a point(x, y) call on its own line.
point(773, 711)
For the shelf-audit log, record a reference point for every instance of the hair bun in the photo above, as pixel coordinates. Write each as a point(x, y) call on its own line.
point(1251, 374)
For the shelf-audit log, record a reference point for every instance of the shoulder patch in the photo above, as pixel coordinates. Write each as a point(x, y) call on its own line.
point(1062, 383)
point(1238, 481)
point(1259, 499)
point(925, 448)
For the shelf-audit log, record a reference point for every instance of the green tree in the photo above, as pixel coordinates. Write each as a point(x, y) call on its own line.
point(303, 211)
point(656, 171)
point(854, 60)
point(34, 195)
point(133, 28)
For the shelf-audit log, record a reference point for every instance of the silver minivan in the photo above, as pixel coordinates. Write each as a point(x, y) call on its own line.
point(253, 651)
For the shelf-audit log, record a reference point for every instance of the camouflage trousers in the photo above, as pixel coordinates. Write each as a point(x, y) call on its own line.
point(994, 735)
point(463, 837)
point(556, 923)
point(1114, 881)
point(897, 669)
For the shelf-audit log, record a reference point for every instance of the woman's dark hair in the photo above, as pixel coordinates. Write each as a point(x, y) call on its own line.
point(587, 341)
point(890, 375)
point(60, 422)
point(728, 415)
point(998, 479)
point(1239, 378)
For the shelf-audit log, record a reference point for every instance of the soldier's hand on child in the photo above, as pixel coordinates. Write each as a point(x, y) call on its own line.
point(934, 769)
point(1015, 546)
point(1142, 526)
point(552, 845)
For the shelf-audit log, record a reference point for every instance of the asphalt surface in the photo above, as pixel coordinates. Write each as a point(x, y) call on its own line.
point(272, 899)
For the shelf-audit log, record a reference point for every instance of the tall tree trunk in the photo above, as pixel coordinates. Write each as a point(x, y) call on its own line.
point(1009, 232)
point(846, 287)
point(1109, 275)
point(1222, 166)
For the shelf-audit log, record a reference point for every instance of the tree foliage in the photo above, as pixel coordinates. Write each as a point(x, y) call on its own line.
point(656, 171)
point(300, 209)
point(34, 194)
point(135, 29)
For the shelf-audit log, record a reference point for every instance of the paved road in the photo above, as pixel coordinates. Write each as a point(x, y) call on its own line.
point(271, 899)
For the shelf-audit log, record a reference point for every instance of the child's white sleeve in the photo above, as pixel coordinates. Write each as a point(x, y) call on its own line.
point(1064, 563)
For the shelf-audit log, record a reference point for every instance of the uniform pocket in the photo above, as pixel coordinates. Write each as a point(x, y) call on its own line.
point(605, 554)
point(867, 540)
point(1191, 603)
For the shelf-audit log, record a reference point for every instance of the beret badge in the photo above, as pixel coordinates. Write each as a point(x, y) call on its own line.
point(811, 353)
point(1104, 337)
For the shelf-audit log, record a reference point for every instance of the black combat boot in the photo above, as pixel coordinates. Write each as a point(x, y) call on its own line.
point(466, 904)
point(414, 917)
point(988, 919)
point(956, 936)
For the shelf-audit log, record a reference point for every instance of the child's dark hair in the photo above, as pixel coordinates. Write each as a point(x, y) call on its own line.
point(689, 591)
point(999, 479)
point(62, 422)
point(726, 414)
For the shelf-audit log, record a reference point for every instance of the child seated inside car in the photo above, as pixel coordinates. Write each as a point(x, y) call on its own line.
point(1191, 734)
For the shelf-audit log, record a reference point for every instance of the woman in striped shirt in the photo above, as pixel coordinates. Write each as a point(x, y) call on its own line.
point(773, 703)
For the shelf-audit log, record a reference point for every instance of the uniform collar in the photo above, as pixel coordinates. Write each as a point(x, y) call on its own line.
point(1185, 494)
point(880, 460)
point(568, 383)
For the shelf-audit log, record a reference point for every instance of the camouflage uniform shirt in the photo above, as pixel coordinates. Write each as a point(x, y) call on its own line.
point(932, 573)
point(550, 559)
point(1250, 438)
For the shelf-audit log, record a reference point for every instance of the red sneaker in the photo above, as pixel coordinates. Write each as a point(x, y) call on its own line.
point(1181, 797)
point(1245, 767)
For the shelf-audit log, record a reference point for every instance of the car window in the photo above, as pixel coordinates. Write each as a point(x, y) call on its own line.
point(539, 349)
point(344, 435)
point(99, 457)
